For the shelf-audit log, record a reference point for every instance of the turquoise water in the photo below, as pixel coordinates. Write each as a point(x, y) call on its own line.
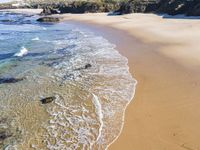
point(89, 79)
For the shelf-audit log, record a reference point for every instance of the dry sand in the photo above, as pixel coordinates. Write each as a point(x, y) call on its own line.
point(164, 57)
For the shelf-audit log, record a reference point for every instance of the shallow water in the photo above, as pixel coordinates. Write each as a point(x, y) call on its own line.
point(88, 77)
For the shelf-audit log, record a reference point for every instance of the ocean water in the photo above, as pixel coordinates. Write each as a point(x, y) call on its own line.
point(89, 79)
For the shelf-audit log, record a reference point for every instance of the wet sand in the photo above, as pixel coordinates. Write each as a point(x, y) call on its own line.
point(164, 57)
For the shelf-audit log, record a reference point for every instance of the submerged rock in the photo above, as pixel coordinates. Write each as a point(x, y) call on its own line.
point(10, 80)
point(48, 100)
point(7, 20)
point(4, 135)
point(88, 66)
point(9, 132)
point(48, 19)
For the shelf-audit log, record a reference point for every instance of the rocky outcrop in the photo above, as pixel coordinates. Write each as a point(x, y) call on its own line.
point(171, 7)
point(48, 10)
point(88, 6)
point(138, 6)
point(48, 100)
point(48, 19)
point(175, 7)
point(77, 6)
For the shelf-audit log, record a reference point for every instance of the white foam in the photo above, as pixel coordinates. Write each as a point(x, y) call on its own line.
point(23, 51)
point(98, 109)
point(36, 39)
point(10, 147)
point(118, 86)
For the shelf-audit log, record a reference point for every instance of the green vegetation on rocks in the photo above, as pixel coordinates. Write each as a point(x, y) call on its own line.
point(138, 6)
point(87, 6)
point(171, 7)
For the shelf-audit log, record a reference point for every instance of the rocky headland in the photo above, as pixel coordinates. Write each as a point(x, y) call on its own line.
point(171, 7)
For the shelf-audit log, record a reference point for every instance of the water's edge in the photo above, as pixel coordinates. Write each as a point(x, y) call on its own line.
point(81, 63)
point(109, 33)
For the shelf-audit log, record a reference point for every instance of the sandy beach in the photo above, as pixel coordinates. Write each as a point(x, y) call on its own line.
point(163, 56)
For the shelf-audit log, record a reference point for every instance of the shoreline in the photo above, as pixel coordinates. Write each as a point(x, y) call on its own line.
point(164, 113)
point(155, 118)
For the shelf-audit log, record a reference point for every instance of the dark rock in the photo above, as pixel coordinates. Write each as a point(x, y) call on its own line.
point(137, 6)
point(48, 19)
point(10, 80)
point(48, 100)
point(7, 20)
point(4, 135)
point(79, 7)
point(49, 10)
point(171, 7)
point(88, 66)
point(9, 131)
point(88, 7)
point(176, 7)
point(194, 8)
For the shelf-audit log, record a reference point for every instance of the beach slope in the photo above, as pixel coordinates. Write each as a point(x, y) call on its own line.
point(163, 54)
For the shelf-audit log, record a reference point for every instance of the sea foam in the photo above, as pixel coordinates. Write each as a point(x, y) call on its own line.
point(23, 51)
point(36, 39)
point(98, 109)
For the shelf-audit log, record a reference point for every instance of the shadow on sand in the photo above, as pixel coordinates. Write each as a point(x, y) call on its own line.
point(166, 16)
